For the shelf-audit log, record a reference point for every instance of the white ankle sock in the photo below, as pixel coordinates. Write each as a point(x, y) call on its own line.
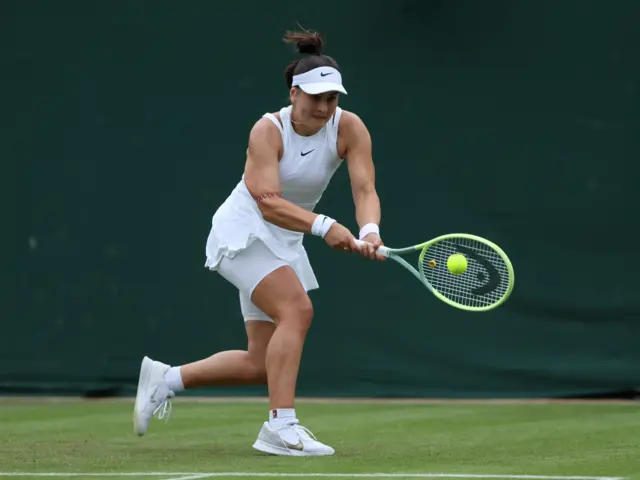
point(281, 416)
point(174, 379)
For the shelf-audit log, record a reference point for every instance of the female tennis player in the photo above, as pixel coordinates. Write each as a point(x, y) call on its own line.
point(256, 244)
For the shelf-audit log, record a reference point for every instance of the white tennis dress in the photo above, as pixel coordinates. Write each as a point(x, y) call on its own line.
point(242, 245)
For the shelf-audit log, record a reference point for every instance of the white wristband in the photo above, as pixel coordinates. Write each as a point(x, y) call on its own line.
point(367, 229)
point(321, 225)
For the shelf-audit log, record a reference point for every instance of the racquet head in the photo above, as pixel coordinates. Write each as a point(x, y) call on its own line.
point(487, 281)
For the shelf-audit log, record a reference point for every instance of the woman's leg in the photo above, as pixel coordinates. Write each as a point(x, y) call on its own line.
point(281, 296)
point(274, 350)
point(158, 382)
point(245, 270)
point(277, 295)
point(232, 367)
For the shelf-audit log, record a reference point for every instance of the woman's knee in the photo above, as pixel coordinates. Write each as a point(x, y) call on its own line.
point(259, 334)
point(297, 313)
point(283, 298)
point(258, 370)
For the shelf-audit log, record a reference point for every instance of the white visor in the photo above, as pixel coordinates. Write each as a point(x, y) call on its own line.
point(319, 80)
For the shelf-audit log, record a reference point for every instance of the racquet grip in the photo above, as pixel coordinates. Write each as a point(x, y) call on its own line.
point(382, 250)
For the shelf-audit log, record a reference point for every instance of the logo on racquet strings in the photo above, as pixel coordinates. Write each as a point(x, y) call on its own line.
point(492, 272)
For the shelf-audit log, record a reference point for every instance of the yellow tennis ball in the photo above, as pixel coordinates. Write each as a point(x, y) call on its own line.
point(457, 264)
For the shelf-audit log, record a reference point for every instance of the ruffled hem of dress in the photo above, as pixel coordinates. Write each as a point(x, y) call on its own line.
point(224, 250)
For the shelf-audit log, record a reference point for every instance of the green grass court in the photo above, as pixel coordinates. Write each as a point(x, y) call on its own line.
point(441, 440)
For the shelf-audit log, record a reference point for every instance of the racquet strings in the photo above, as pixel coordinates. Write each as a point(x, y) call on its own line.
point(485, 281)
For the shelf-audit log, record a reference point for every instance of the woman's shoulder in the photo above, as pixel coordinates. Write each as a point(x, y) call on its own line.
point(350, 122)
point(349, 117)
point(277, 115)
point(265, 131)
point(269, 122)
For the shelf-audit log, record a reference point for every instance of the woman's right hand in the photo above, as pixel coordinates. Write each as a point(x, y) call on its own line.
point(340, 238)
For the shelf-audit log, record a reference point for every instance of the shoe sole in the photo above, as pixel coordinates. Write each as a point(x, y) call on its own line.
point(143, 380)
point(273, 450)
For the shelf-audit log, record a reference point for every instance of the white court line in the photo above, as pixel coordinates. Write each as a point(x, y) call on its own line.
point(190, 477)
point(196, 475)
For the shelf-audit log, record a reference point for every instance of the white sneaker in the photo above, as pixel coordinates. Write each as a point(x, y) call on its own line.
point(153, 395)
point(290, 439)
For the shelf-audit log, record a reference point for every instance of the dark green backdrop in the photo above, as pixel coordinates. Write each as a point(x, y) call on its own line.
point(124, 126)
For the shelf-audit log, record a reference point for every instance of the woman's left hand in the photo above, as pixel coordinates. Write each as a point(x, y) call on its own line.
point(369, 251)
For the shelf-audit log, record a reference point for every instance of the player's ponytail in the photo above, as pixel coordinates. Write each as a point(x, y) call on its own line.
point(310, 44)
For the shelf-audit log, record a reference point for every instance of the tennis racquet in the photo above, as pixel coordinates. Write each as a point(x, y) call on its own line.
point(486, 283)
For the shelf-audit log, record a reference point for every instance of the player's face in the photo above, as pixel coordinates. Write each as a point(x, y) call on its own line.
point(313, 111)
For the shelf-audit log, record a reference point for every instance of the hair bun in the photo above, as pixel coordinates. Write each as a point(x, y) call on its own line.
point(310, 43)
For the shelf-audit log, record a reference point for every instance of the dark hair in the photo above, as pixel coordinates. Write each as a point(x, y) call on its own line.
point(311, 44)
